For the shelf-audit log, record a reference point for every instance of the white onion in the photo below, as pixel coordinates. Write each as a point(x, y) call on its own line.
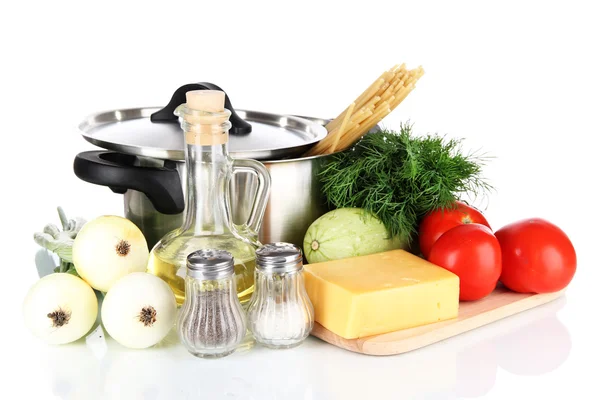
point(139, 310)
point(60, 308)
point(108, 248)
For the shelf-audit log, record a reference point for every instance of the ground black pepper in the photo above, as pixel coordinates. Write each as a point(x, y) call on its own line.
point(213, 327)
point(213, 321)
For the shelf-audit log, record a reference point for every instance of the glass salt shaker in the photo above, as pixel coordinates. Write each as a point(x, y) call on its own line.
point(211, 323)
point(280, 314)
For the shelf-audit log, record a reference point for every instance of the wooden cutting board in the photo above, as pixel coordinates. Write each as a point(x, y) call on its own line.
point(499, 304)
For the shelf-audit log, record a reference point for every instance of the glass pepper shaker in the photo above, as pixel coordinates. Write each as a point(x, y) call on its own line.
point(280, 314)
point(211, 323)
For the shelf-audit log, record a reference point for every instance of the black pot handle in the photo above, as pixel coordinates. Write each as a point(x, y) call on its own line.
point(162, 186)
point(238, 125)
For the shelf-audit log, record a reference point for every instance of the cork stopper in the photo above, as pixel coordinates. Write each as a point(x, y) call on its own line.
point(209, 101)
point(206, 100)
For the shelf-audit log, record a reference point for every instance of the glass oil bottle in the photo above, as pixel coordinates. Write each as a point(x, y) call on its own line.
point(208, 220)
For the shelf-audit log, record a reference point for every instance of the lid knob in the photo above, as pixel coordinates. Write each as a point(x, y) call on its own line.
point(238, 125)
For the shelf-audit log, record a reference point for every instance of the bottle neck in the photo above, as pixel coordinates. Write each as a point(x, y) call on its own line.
point(208, 165)
point(207, 169)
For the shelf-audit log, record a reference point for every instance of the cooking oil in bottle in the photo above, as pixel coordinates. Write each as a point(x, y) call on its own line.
point(167, 263)
point(208, 218)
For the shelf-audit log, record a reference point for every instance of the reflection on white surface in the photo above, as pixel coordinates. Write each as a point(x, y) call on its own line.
point(476, 366)
point(548, 339)
point(534, 342)
point(74, 371)
point(530, 343)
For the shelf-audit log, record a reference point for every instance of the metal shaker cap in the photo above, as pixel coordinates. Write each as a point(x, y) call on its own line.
point(279, 257)
point(209, 264)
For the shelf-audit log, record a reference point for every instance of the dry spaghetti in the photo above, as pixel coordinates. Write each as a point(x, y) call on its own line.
point(377, 101)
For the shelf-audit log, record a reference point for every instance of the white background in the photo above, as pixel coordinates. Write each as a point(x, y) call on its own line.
point(518, 80)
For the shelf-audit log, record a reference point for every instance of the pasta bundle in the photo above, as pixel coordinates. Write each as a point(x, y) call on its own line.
point(377, 101)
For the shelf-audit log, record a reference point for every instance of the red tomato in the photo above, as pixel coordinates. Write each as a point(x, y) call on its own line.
point(537, 256)
point(473, 253)
point(437, 222)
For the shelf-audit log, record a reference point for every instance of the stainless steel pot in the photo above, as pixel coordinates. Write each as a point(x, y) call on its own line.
point(153, 188)
point(295, 202)
point(144, 160)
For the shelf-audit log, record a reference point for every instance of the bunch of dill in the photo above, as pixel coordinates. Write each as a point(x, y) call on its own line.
point(400, 177)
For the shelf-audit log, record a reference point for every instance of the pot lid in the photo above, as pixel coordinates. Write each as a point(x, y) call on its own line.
point(254, 134)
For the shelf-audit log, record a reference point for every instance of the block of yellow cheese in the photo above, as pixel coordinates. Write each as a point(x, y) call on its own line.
point(369, 295)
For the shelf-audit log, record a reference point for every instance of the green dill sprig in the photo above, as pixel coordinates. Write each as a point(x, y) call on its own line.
point(399, 177)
